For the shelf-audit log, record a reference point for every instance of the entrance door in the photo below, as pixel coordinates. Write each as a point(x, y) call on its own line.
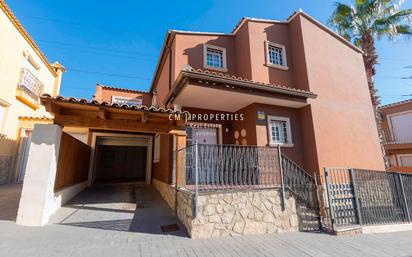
point(203, 136)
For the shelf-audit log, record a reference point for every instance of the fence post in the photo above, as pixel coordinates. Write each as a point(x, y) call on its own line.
point(196, 176)
point(331, 212)
point(282, 184)
point(404, 198)
point(355, 195)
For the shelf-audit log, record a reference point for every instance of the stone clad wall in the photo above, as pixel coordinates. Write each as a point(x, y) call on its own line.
point(237, 213)
point(166, 191)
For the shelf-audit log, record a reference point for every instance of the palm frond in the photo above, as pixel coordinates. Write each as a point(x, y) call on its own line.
point(404, 30)
point(342, 20)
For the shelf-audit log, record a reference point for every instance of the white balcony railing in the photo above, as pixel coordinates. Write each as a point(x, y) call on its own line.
point(390, 138)
point(29, 88)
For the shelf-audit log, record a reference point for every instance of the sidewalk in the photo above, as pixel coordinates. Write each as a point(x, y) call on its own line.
point(62, 240)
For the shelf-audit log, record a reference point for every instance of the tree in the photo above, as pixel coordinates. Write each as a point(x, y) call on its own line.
point(363, 23)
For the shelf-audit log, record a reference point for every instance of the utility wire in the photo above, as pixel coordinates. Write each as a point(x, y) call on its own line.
point(107, 74)
point(96, 48)
point(96, 53)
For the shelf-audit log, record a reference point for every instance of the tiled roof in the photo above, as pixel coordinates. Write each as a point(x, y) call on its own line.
point(240, 79)
point(123, 89)
point(107, 104)
point(35, 118)
point(394, 104)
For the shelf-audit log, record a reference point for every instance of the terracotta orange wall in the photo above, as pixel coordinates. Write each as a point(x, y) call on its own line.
point(189, 50)
point(242, 46)
point(260, 32)
point(248, 125)
point(105, 95)
point(344, 127)
point(295, 152)
point(162, 85)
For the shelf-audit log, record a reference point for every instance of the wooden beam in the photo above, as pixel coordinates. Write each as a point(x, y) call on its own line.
point(145, 117)
point(52, 107)
point(118, 124)
point(102, 114)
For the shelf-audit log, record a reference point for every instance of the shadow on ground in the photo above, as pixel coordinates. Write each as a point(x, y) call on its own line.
point(133, 208)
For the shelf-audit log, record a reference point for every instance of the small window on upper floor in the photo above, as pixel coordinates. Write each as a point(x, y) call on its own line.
point(214, 57)
point(121, 100)
point(276, 55)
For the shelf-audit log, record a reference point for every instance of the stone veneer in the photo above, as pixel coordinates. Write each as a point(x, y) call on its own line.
point(236, 213)
point(167, 192)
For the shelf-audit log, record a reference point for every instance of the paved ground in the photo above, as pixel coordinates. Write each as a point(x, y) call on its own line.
point(101, 222)
point(136, 208)
point(9, 201)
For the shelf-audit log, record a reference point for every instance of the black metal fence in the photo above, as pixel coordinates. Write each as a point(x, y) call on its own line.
point(227, 167)
point(368, 197)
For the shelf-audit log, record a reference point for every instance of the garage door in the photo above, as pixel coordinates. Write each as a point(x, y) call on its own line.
point(120, 163)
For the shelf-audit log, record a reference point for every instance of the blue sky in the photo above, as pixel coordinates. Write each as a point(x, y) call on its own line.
point(117, 42)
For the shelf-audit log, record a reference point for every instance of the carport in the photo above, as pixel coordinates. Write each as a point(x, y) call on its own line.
point(117, 146)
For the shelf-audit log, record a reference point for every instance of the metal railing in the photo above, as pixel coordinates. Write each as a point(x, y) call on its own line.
point(30, 84)
point(299, 181)
point(230, 167)
point(390, 138)
point(368, 197)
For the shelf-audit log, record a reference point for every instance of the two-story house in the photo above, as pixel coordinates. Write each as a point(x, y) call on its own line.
point(235, 129)
point(397, 127)
point(25, 75)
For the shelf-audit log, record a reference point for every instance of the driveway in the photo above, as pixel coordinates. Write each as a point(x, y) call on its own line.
point(9, 201)
point(134, 208)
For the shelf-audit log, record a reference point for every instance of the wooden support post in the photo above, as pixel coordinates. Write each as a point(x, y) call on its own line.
point(179, 153)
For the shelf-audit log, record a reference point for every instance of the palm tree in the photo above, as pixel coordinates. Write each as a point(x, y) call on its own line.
point(363, 23)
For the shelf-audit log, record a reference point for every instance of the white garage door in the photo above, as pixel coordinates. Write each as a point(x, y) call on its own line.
point(402, 127)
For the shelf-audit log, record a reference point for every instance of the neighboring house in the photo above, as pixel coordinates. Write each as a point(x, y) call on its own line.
point(122, 96)
point(25, 74)
point(397, 127)
point(270, 98)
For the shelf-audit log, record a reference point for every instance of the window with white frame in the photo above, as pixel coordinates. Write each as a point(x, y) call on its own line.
point(126, 100)
point(214, 57)
point(405, 160)
point(276, 55)
point(279, 130)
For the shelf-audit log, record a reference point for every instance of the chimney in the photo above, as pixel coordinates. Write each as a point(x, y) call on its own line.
point(59, 69)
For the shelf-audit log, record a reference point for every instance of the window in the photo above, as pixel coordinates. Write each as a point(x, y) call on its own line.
point(279, 131)
point(215, 57)
point(126, 100)
point(276, 55)
point(405, 160)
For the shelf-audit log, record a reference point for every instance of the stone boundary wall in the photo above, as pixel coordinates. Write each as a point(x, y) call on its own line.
point(237, 213)
point(166, 191)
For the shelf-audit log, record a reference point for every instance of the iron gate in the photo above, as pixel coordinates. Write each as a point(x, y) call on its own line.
point(368, 197)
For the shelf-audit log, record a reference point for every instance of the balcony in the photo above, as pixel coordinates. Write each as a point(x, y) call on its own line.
point(393, 140)
point(29, 89)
